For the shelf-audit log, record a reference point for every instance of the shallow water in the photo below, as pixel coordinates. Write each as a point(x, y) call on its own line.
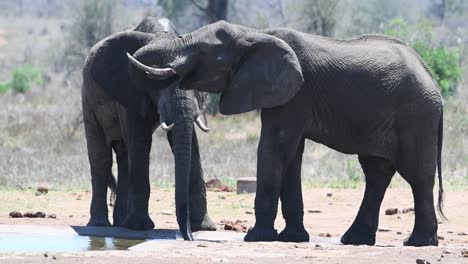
point(20, 242)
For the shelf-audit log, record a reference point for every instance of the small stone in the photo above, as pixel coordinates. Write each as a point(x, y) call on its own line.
point(407, 210)
point(446, 251)
point(166, 212)
point(384, 229)
point(202, 245)
point(398, 233)
point(391, 211)
point(38, 193)
point(329, 194)
point(16, 214)
point(42, 189)
point(422, 261)
point(70, 216)
point(440, 237)
point(462, 234)
point(53, 216)
point(314, 211)
point(46, 255)
point(318, 246)
point(249, 212)
point(449, 232)
point(324, 235)
point(53, 257)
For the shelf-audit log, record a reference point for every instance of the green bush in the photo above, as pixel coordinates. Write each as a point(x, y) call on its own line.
point(444, 62)
point(22, 79)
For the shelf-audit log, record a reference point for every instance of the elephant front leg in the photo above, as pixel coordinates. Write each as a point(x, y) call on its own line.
point(271, 157)
point(378, 172)
point(291, 201)
point(139, 146)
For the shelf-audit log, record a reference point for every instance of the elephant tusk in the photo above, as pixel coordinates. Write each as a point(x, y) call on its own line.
point(157, 72)
point(165, 127)
point(202, 125)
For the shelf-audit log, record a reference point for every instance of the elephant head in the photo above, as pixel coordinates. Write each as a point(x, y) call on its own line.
point(178, 109)
point(251, 69)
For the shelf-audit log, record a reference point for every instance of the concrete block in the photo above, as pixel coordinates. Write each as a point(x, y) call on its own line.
point(246, 185)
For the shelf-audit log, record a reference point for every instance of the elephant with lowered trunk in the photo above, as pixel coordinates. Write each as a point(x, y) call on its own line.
point(371, 95)
point(122, 117)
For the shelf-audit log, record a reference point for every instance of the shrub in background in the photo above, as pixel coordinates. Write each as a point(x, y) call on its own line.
point(22, 79)
point(444, 62)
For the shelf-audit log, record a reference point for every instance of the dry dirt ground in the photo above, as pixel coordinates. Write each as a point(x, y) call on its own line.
point(337, 213)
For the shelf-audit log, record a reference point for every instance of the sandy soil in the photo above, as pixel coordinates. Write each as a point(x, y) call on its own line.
point(337, 213)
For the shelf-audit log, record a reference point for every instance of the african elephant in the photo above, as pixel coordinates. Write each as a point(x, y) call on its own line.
point(371, 95)
point(122, 117)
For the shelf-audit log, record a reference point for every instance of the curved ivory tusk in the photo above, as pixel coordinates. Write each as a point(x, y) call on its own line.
point(165, 127)
point(202, 125)
point(159, 72)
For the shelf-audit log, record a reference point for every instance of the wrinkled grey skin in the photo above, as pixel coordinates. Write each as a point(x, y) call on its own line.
point(371, 96)
point(122, 117)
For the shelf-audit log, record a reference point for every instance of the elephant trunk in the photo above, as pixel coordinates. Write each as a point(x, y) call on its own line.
point(183, 132)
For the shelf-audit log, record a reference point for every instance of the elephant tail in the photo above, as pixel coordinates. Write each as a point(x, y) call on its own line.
point(440, 202)
point(112, 184)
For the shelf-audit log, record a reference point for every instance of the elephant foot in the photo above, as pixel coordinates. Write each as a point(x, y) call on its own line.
point(118, 220)
point(294, 234)
point(205, 225)
point(421, 241)
point(261, 234)
point(99, 221)
point(358, 238)
point(138, 222)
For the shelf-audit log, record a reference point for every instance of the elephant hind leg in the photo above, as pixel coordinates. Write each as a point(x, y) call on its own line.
point(292, 205)
point(378, 172)
point(120, 208)
point(417, 165)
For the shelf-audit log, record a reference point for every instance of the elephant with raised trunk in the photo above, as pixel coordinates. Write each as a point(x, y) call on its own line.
point(371, 96)
point(121, 116)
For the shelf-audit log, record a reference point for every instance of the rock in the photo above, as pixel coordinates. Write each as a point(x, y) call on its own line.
point(407, 210)
point(314, 211)
point(46, 255)
point(391, 211)
point(464, 253)
point(249, 212)
point(53, 216)
point(237, 226)
point(329, 194)
point(422, 261)
point(462, 234)
point(40, 214)
point(38, 193)
point(398, 233)
point(324, 235)
point(440, 237)
point(166, 212)
point(30, 215)
point(384, 229)
point(42, 189)
point(16, 214)
point(213, 183)
point(449, 232)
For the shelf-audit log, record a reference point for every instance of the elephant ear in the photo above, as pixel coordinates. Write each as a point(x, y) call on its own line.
point(268, 75)
point(108, 65)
